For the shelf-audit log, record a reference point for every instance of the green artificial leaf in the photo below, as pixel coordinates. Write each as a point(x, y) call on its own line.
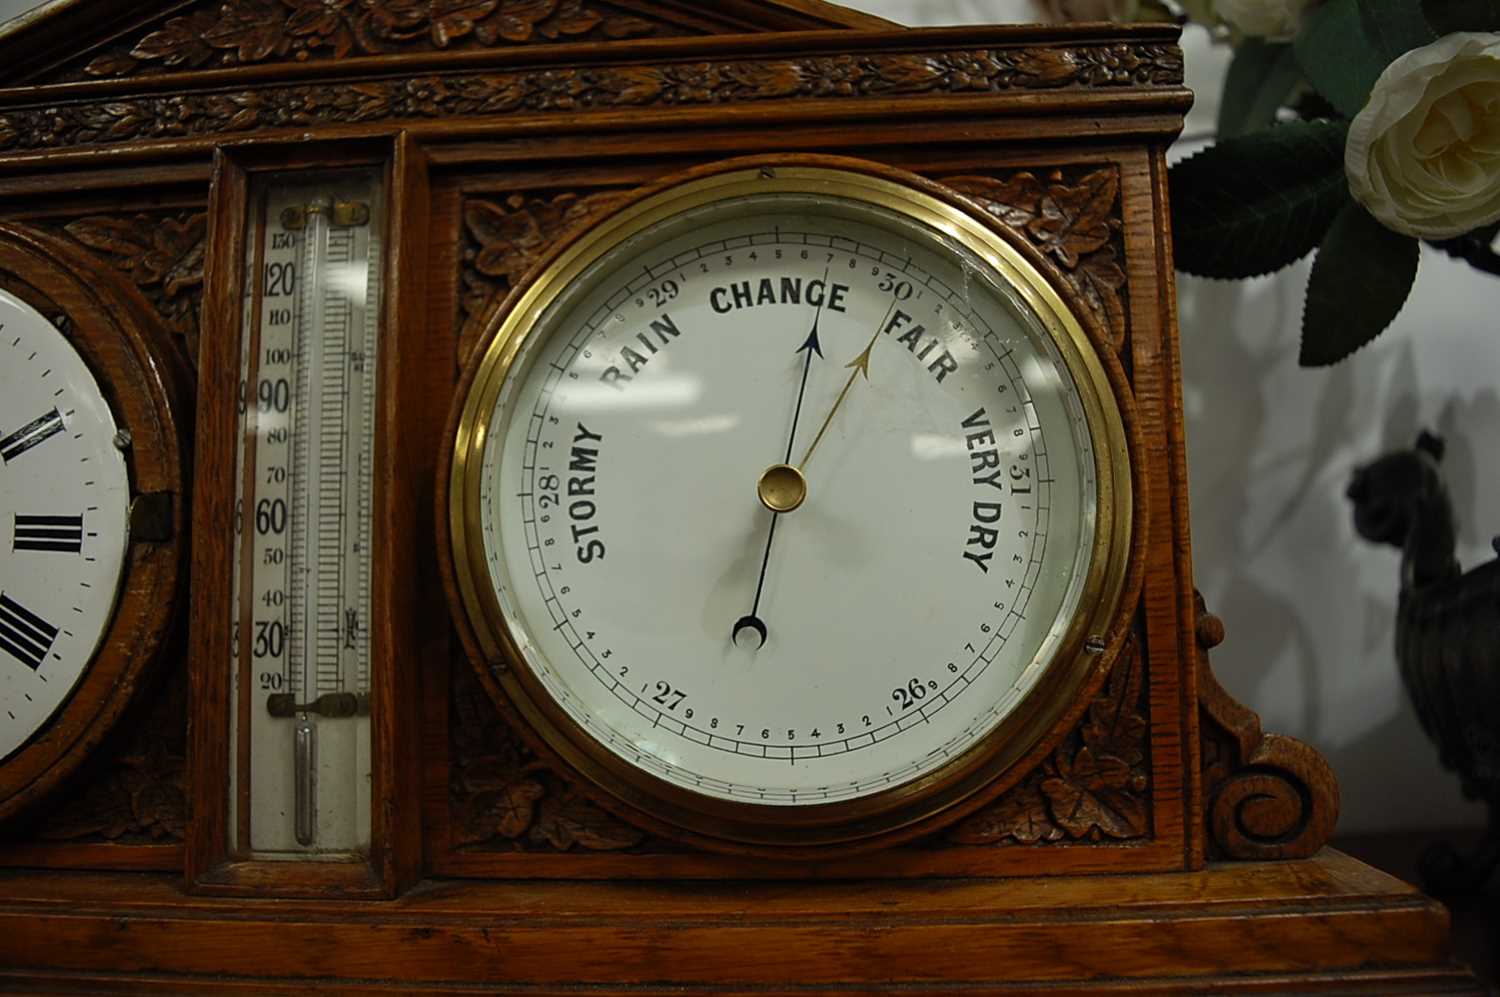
point(1345, 45)
point(1448, 16)
point(1258, 82)
point(1251, 205)
point(1395, 27)
point(1359, 281)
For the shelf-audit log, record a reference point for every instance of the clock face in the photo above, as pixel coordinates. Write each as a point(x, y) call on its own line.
point(789, 499)
point(64, 497)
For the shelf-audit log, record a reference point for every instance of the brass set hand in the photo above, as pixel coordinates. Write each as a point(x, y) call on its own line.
point(782, 487)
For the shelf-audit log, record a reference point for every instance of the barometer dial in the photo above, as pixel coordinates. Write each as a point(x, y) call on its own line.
point(793, 497)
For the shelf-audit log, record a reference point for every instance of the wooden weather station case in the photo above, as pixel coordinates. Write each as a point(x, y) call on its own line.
point(1153, 838)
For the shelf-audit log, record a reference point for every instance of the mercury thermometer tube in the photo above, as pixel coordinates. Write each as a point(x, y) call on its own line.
point(301, 771)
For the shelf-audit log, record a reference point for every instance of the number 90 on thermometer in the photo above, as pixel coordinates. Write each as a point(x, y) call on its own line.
point(300, 770)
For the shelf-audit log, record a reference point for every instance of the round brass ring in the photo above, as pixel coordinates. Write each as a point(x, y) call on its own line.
point(825, 828)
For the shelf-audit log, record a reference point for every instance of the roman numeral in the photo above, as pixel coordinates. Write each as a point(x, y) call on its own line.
point(56, 533)
point(30, 435)
point(24, 635)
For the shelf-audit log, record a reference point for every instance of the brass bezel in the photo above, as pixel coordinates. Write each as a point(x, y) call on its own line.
point(785, 829)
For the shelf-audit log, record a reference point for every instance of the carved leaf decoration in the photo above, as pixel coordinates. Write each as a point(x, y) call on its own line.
point(624, 26)
point(1075, 223)
point(1046, 67)
point(111, 64)
point(322, 23)
point(911, 74)
point(516, 20)
point(1084, 794)
point(1014, 200)
point(571, 19)
point(1076, 220)
point(508, 240)
point(158, 797)
point(1094, 784)
point(510, 236)
point(453, 19)
point(568, 818)
point(771, 79)
point(163, 255)
point(1115, 728)
point(506, 812)
point(1099, 279)
point(1020, 815)
point(144, 796)
point(179, 42)
point(634, 85)
point(119, 237)
point(252, 30)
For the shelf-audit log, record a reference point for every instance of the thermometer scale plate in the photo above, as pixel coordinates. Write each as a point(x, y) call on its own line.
point(301, 770)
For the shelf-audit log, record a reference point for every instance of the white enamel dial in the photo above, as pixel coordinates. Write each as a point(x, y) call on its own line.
point(915, 427)
point(64, 502)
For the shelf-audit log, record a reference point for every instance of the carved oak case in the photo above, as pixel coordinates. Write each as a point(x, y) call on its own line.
point(128, 133)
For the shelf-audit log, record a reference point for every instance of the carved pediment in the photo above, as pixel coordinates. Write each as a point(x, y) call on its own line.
point(75, 40)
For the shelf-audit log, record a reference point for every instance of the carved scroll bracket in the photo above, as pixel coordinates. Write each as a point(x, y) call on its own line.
point(1266, 796)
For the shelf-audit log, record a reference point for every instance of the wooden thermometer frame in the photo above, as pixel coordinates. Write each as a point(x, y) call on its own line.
point(400, 518)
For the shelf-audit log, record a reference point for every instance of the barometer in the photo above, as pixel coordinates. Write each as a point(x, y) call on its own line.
point(790, 505)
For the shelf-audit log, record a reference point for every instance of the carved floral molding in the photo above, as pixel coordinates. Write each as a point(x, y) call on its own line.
point(1094, 787)
point(491, 95)
point(504, 239)
point(138, 792)
point(163, 256)
point(244, 32)
point(1076, 223)
point(501, 797)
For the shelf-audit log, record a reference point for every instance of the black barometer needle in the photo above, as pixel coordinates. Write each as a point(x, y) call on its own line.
point(809, 347)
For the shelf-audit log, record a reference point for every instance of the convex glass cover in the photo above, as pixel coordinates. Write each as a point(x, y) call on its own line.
point(790, 497)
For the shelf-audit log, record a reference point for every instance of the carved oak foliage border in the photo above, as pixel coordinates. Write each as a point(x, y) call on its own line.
point(133, 791)
point(1094, 787)
point(434, 97)
point(504, 238)
point(503, 798)
point(1076, 222)
point(162, 254)
point(226, 33)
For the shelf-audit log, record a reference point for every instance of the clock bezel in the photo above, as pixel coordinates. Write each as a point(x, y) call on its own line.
point(997, 759)
point(119, 340)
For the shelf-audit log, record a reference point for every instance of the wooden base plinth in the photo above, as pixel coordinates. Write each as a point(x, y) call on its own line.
point(1328, 924)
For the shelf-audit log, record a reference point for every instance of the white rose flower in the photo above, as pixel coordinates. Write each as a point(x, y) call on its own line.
point(1275, 20)
point(1424, 154)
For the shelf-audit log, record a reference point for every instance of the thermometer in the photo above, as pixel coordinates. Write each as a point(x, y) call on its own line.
point(300, 770)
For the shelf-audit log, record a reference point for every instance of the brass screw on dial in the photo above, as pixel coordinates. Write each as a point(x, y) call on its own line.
point(781, 488)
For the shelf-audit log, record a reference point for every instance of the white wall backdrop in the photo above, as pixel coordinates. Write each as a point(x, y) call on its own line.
point(1308, 606)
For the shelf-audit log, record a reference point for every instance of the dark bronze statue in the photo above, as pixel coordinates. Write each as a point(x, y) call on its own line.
point(1447, 639)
